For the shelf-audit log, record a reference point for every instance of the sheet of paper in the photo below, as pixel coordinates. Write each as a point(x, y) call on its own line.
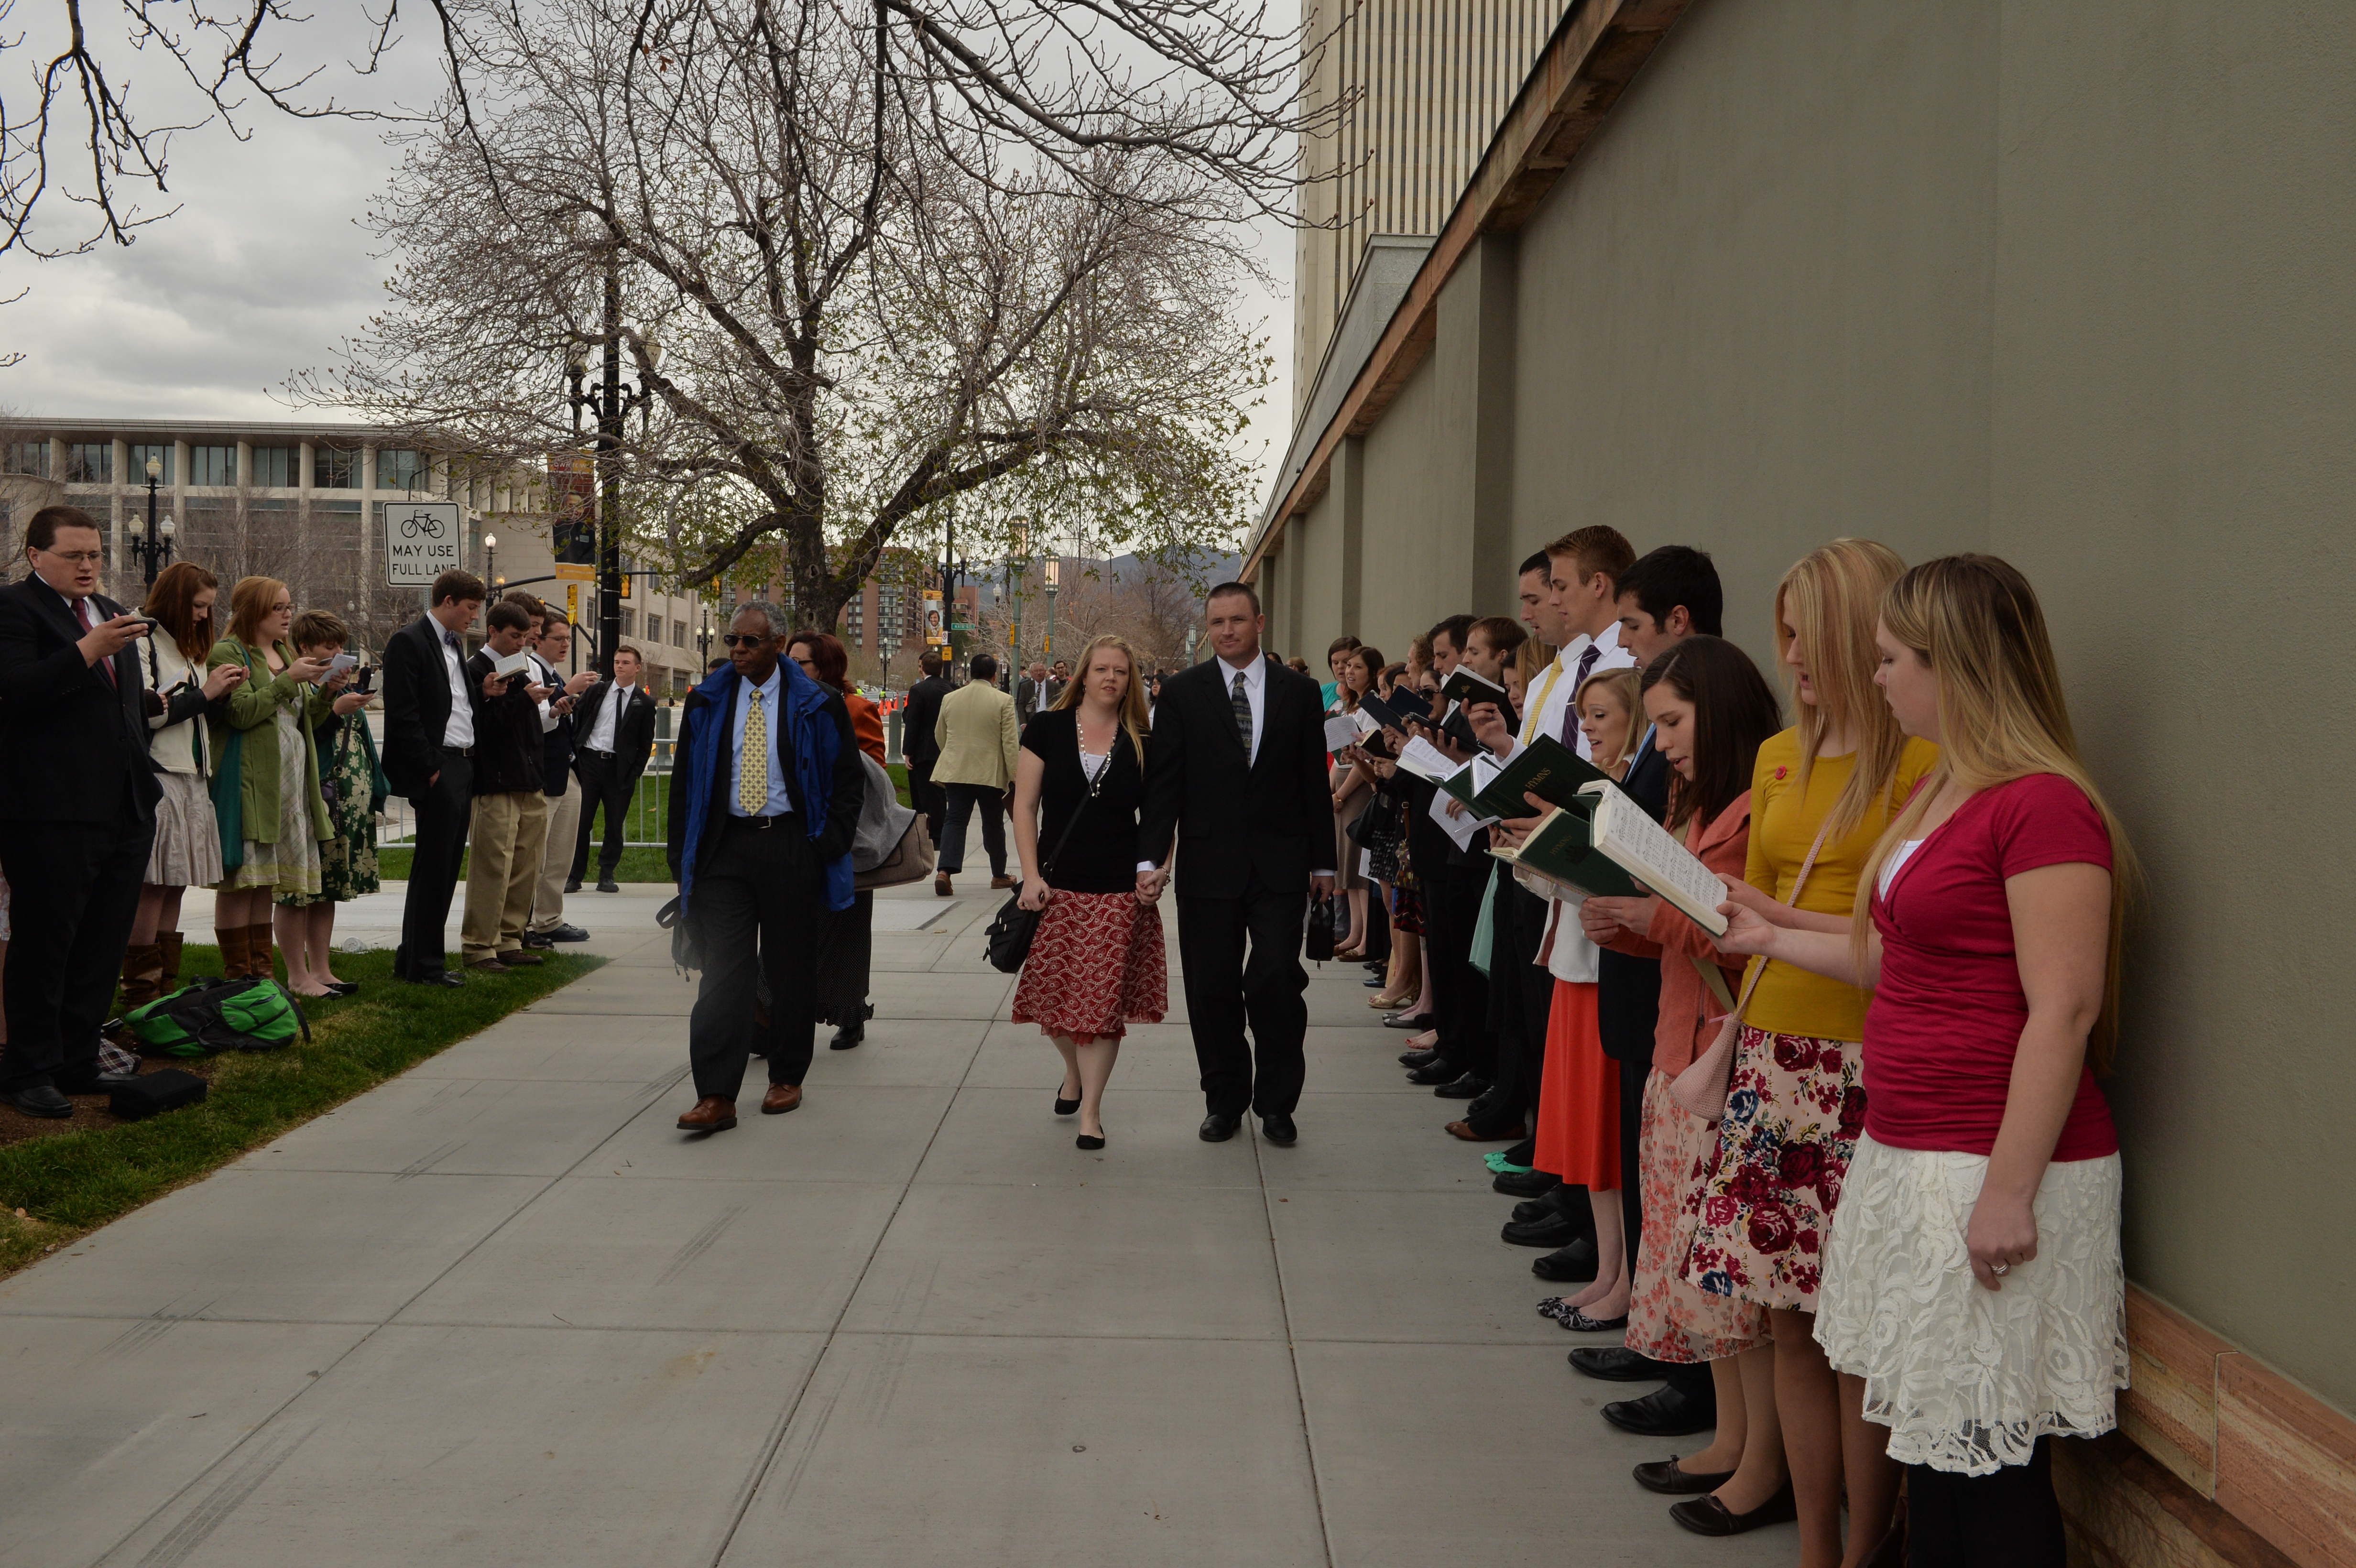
point(1459, 827)
point(337, 666)
point(1427, 761)
point(1367, 723)
point(1341, 730)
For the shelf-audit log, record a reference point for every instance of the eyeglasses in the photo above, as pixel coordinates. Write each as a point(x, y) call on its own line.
point(78, 557)
point(742, 639)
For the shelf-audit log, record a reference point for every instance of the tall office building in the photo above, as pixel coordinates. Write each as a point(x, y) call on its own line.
point(1430, 80)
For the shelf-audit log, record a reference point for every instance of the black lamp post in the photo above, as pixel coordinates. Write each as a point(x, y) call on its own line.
point(609, 402)
point(151, 543)
point(491, 562)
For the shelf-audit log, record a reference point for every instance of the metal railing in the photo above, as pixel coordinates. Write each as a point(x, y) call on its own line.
point(644, 827)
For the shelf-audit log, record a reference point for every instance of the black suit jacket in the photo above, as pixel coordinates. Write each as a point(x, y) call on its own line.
point(1236, 815)
point(634, 728)
point(916, 740)
point(416, 706)
point(1628, 996)
point(76, 746)
point(506, 733)
point(556, 744)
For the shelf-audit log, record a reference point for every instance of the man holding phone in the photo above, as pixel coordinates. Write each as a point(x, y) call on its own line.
point(77, 807)
point(510, 833)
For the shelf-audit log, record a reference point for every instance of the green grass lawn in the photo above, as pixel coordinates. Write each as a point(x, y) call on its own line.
point(640, 863)
point(56, 1185)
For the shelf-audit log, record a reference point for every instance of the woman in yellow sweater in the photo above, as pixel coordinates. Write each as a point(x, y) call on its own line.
point(1826, 787)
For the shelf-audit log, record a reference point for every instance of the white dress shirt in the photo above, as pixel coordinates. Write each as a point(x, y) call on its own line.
point(766, 694)
point(547, 677)
point(1565, 950)
point(601, 733)
point(459, 733)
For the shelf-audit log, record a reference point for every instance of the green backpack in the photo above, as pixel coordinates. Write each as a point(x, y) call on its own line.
point(245, 1014)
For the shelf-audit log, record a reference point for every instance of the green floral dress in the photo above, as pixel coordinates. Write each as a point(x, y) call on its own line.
point(355, 790)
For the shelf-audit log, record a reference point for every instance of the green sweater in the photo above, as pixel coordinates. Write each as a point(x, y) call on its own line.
point(249, 711)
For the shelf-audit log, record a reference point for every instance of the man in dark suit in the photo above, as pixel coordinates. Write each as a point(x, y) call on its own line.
point(1031, 694)
point(77, 808)
point(766, 786)
point(1236, 769)
point(920, 748)
point(614, 734)
point(429, 758)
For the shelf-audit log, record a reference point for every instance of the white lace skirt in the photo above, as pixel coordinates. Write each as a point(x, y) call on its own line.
point(1968, 1379)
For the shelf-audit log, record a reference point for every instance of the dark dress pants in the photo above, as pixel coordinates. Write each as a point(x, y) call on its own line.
point(443, 814)
point(1452, 907)
point(1242, 957)
point(760, 902)
point(603, 783)
point(73, 890)
point(1521, 997)
point(2006, 1519)
point(964, 800)
point(846, 946)
point(927, 796)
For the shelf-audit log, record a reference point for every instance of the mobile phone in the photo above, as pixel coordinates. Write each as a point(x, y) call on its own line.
point(145, 620)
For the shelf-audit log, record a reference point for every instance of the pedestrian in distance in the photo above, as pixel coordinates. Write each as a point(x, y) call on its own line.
point(429, 756)
point(616, 726)
point(766, 786)
point(978, 739)
point(1236, 776)
point(847, 947)
point(77, 808)
point(919, 745)
point(1096, 963)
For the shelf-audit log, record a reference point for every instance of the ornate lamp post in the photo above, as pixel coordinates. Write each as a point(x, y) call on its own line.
point(151, 543)
point(1053, 567)
point(609, 402)
point(491, 562)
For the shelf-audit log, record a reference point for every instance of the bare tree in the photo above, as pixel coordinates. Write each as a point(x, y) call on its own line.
point(890, 272)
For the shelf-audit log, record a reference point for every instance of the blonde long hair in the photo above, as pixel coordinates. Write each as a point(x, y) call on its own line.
point(1976, 622)
point(1831, 597)
point(1135, 721)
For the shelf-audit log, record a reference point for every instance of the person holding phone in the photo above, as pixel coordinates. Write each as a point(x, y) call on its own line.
point(355, 788)
point(509, 835)
point(274, 818)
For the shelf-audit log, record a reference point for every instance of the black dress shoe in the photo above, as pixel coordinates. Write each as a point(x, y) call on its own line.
point(539, 939)
point(439, 978)
point(608, 885)
point(1465, 1088)
point(1573, 1264)
point(1419, 1058)
point(1663, 1477)
point(849, 1036)
point(1707, 1516)
point(40, 1099)
point(1439, 1069)
point(1617, 1364)
point(1552, 1230)
point(568, 932)
point(1664, 1413)
point(571, 884)
point(1278, 1129)
point(1525, 1183)
point(1530, 1209)
point(1216, 1129)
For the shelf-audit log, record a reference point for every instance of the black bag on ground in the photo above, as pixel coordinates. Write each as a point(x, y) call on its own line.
point(1317, 941)
point(152, 1096)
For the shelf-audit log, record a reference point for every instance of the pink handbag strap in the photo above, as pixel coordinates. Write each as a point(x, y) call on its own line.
point(1750, 983)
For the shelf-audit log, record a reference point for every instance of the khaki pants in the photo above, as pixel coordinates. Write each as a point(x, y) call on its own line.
point(503, 856)
point(556, 860)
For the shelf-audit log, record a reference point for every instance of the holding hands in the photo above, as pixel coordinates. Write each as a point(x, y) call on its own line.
point(1150, 884)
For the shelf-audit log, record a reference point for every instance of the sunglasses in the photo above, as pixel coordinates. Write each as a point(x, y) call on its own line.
point(742, 639)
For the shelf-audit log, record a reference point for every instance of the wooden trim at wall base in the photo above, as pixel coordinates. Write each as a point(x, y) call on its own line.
point(2124, 1510)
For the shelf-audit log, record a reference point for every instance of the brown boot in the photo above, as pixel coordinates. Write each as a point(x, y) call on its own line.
point(258, 952)
point(142, 975)
point(168, 943)
point(233, 940)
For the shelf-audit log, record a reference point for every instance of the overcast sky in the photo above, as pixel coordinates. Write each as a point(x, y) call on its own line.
point(265, 268)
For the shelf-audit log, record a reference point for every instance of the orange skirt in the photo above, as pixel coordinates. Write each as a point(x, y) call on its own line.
point(1579, 1103)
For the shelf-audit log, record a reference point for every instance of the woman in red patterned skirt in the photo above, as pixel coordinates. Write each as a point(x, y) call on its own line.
point(1097, 964)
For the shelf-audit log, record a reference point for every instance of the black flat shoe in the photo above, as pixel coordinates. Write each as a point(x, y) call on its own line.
point(1707, 1516)
point(1420, 1022)
point(1665, 1477)
point(343, 987)
point(1065, 1107)
point(1437, 1071)
point(1084, 1141)
point(1573, 1264)
point(1373, 982)
point(1578, 1322)
point(1466, 1087)
point(1417, 1057)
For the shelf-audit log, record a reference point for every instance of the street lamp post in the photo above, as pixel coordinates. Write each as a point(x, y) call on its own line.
point(491, 561)
point(610, 403)
point(1053, 569)
point(151, 543)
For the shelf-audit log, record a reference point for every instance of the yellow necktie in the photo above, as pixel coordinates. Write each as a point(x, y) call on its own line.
point(753, 767)
point(1531, 717)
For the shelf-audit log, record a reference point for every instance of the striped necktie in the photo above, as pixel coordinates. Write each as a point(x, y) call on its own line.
point(1240, 699)
point(1570, 736)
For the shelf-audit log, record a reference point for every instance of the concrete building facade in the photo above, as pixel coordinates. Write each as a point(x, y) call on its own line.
point(2064, 283)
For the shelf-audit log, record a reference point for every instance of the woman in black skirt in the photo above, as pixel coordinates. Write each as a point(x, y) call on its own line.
point(1097, 964)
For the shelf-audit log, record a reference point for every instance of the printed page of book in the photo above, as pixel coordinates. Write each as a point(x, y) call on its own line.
point(1427, 761)
point(1463, 825)
point(1649, 852)
point(1341, 730)
point(509, 665)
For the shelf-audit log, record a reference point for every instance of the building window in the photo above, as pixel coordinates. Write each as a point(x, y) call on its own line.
point(29, 458)
point(629, 622)
point(333, 468)
point(401, 468)
point(275, 467)
point(679, 634)
point(215, 465)
point(93, 463)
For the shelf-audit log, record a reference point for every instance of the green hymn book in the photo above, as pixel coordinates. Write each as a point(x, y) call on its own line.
point(1560, 849)
point(1545, 768)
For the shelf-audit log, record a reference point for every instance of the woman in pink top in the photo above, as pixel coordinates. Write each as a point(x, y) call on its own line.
point(1972, 1288)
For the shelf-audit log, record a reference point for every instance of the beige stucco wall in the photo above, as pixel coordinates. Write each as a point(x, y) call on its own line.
point(2069, 284)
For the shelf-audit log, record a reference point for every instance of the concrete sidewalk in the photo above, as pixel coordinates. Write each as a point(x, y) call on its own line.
point(498, 1311)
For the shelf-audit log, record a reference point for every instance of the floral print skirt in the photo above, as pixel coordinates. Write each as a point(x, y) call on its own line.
point(1793, 1110)
point(1669, 1318)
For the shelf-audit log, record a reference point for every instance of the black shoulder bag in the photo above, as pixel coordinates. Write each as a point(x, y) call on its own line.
point(1011, 933)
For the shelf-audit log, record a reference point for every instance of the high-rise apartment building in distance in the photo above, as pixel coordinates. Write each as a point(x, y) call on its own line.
point(1431, 80)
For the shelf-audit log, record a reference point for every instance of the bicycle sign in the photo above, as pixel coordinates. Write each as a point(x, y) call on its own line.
point(421, 540)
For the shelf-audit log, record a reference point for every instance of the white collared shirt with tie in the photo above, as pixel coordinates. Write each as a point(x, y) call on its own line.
point(459, 733)
point(1253, 679)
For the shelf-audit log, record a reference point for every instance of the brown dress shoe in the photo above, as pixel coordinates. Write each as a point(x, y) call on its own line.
point(941, 883)
point(781, 1098)
point(520, 957)
point(487, 966)
point(711, 1114)
point(998, 882)
point(1465, 1130)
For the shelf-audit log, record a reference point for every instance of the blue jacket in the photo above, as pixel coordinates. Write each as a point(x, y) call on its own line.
point(829, 784)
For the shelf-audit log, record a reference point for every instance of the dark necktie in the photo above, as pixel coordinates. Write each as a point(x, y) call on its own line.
point(1241, 701)
point(82, 614)
point(1570, 709)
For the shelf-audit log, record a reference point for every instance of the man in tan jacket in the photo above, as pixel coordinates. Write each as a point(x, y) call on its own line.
point(976, 733)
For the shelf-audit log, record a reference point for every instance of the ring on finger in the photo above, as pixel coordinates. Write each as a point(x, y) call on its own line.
point(2001, 1269)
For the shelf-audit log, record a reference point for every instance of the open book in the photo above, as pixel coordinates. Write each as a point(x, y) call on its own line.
point(1545, 768)
point(516, 663)
point(1427, 761)
point(1621, 829)
point(1559, 848)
